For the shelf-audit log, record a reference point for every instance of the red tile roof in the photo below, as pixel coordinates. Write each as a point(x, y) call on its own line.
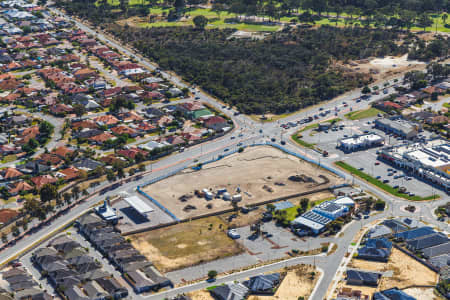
point(10, 173)
point(39, 181)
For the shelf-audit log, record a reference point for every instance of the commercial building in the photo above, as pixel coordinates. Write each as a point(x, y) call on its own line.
point(359, 142)
point(398, 126)
point(106, 212)
point(429, 160)
point(139, 205)
point(316, 219)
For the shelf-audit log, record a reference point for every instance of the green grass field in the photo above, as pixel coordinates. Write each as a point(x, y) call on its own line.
point(291, 212)
point(363, 114)
point(302, 142)
point(385, 187)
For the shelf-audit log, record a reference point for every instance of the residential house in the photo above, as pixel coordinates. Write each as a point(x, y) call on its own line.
point(60, 109)
point(106, 120)
point(132, 152)
point(63, 152)
point(392, 294)
point(427, 241)
point(100, 139)
point(376, 250)
point(68, 174)
point(85, 73)
point(40, 181)
point(233, 291)
point(124, 129)
point(437, 250)
point(87, 164)
point(350, 294)
point(263, 284)
point(19, 186)
point(362, 278)
point(395, 225)
point(10, 174)
point(216, 123)
point(414, 233)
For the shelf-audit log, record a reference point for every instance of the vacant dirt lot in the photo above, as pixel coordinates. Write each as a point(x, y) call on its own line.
point(298, 282)
point(200, 295)
point(383, 69)
point(422, 293)
point(186, 244)
point(260, 172)
point(406, 271)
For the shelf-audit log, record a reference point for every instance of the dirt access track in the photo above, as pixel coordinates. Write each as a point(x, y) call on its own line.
point(260, 172)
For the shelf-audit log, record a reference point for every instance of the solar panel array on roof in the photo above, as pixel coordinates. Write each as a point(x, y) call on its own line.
point(283, 205)
point(329, 206)
point(316, 218)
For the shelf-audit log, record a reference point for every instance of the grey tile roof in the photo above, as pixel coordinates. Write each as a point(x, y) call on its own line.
point(436, 250)
point(427, 241)
point(440, 261)
point(414, 233)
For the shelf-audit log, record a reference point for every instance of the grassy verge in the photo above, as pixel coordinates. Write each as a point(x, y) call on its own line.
point(302, 142)
point(363, 114)
point(447, 104)
point(9, 158)
point(291, 212)
point(385, 187)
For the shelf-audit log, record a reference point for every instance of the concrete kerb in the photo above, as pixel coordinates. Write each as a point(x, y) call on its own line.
point(316, 287)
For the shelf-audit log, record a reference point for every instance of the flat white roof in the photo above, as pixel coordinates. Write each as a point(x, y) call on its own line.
point(139, 205)
point(371, 137)
point(308, 223)
point(344, 201)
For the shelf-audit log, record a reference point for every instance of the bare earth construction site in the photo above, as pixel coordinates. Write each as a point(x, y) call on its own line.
point(259, 174)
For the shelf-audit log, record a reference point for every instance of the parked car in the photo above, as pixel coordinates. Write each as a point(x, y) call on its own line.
point(232, 233)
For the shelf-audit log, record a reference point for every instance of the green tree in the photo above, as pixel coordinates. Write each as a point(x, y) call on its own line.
point(76, 192)
point(304, 202)
point(110, 175)
point(212, 274)
point(120, 173)
point(67, 197)
point(30, 146)
point(79, 110)
point(444, 18)
point(45, 128)
point(4, 238)
point(200, 22)
point(48, 192)
point(424, 21)
point(366, 90)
